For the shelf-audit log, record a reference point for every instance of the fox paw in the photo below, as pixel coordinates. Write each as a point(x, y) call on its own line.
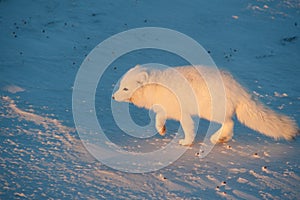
point(185, 142)
point(162, 131)
point(219, 139)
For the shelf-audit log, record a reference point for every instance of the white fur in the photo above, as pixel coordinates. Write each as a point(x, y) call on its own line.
point(179, 93)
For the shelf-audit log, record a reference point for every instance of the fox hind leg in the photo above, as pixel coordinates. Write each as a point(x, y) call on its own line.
point(224, 134)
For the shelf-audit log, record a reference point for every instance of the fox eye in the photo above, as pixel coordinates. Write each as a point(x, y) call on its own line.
point(125, 89)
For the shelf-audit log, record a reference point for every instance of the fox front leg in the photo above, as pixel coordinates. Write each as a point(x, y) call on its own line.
point(160, 121)
point(187, 125)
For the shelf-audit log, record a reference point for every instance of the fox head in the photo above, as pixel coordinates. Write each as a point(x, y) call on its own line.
point(131, 81)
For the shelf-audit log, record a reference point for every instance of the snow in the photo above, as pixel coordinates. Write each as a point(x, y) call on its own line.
point(42, 45)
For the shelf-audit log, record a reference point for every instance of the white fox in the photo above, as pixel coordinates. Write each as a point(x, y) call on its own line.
point(181, 92)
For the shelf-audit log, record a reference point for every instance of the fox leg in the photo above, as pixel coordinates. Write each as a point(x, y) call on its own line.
point(187, 125)
point(160, 121)
point(224, 134)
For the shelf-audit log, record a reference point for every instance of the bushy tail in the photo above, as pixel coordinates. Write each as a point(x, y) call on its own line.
point(264, 120)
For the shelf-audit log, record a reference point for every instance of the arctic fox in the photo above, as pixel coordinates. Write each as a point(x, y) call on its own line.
point(181, 92)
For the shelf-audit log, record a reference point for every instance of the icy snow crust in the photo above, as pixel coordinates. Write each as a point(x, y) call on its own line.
point(42, 45)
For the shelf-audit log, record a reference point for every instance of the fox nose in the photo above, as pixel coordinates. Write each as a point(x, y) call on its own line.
point(113, 97)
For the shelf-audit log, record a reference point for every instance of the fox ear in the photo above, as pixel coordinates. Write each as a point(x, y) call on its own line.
point(142, 78)
point(137, 66)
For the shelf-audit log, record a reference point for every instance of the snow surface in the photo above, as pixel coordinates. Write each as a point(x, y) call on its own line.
point(42, 45)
